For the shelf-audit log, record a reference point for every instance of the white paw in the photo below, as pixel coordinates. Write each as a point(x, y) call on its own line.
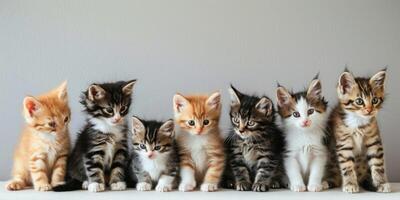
point(85, 185)
point(385, 187)
point(163, 187)
point(351, 188)
point(186, 187)
point(118, 186)
point(315, 187)
point(43, 187)
point(209, 187)
point(298, 188)
point(143, 186)
point(325, 185)
point(96, 187)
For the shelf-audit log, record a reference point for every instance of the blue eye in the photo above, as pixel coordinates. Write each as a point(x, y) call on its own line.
point(142, 146)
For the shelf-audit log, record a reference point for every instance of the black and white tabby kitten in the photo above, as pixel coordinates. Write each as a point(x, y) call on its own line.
point(256, 144)
point(154, 159)
point(100, 153)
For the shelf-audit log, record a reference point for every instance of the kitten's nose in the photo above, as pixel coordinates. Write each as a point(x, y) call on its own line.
point(369, 110)
point(150, 154)
point(306, 123)
point(52, 124)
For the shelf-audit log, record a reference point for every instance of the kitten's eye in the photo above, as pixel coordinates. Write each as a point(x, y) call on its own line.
point(142, 146)
point(375, 100)
point(51, 124)
point(206, 122)
point(251, 123)
point(236, 120)
point(359, 101)
point(296, 114)
point(109, 110)
point(156, 148)
point(123, 109)
point(191, 122)
point(66, 119)
point(310, 111)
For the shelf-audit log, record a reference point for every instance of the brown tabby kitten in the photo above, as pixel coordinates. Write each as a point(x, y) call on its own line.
point(41, 155)
point(199, 140)
point(359, 149)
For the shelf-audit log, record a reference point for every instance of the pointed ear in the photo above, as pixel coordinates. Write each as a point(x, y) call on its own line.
point(128, 87)
point(180, 103)
point(31, 107)
point(346, 83)
point(137, 126)
point(314, 90)
point(235, 96)
point(95, 92)
point(62, 91)
point(283, 97)
point(264, 106)
point(214, 100)
point(168, 128)
point(377, 81)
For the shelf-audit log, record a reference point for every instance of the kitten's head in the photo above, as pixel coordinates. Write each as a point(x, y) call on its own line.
point(249, 114)
point(302, 110)
point(363, 96)
point(197, 114)
point(108, 102)
point(152, 138)
point(48, 113)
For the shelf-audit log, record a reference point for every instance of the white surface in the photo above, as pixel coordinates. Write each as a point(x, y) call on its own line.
point(334, 194)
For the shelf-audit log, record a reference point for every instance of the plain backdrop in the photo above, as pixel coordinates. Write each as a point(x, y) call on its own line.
point(193, 47)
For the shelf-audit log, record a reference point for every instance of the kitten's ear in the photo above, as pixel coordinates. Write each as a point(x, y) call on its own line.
point(235, 96)
point(346, 83)
point(214, 100)
point(264, 106)
point(95, 92)
point(128, 87)
point(137, 126)
point(168, 128)
point(315, 89)
point(283, 96)
point(31, 107)
point(62, 91)
point(180, 103)
point(377, 81)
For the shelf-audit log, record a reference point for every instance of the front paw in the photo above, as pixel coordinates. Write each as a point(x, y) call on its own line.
point(118, 186)
point(143, 186)
point(243, 186)
point(96, 187)
point(384, 187)
point(54, 184)
point(15, 185)
point(163, 187)
point(275, 185)
point(298, 188)
point(209, 187)
point(186, 187)
point(351, 188)
point(85, 185)
point(315, 187)
point(44, 187)
point(260, 187)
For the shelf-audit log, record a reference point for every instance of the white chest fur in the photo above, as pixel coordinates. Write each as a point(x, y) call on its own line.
point(353, 120)
point(49, 146)
point(196, 145)
point(154, 167)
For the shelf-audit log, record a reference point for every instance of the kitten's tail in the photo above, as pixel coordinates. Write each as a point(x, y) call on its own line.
point(70, 185)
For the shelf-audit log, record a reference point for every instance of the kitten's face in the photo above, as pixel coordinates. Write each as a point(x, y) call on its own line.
point(363, 96)
point(109, 102)
point(197, 115)
point(249, 114)
point(152, 139)
point(48, 113)
point(303, 110)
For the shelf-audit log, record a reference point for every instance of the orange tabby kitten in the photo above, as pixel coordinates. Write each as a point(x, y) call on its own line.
point(200, 144)
point(41, 155)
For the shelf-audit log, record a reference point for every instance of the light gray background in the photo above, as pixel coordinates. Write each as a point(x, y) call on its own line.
point(193, 46)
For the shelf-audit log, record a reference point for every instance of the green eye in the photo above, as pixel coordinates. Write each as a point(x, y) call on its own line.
point(375, 100)
point(359, 101)
point(191, 122)
point(157, 148)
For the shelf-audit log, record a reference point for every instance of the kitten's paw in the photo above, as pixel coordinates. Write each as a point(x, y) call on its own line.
point(325, 185)
point(275, 185)
point(260, 187)
point(351, 188)
point(96, 187)
point(15, 185)
point(162, 187)
point(85, 185)
point(315, 187)
point(243, 186)
point(118, 186)
point(55, 184)
point(42, 187)
point(209, 187)
point(143, 186)
point(186, 187)
point(298, 188)
point(385, 187)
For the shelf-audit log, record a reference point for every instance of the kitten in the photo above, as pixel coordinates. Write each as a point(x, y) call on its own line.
point(355, 130)
point(255, 145)
point(304, 117)
point(154, 157)
point(41, 155)
point(100, 153)
point(201, 150)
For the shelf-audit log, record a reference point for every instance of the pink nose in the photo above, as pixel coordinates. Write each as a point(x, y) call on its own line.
point(117, 119)
point(306, 123)
point(150, 154)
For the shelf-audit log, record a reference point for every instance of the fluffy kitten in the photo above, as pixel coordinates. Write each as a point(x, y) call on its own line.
point(154, 157)
point(201, 150)
point(304, 117)
point(100, 153)
point(41, 155)
point(355, 130)
point(255, 145)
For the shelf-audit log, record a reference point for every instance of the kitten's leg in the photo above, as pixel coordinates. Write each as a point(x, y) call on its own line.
point(293, 171)
point(117, 176)
point(38, 169)
point(59, 169)
point(266, 167)
point(144, 181)
point(376, 163)
point(216, 165)
point(188, 181)
point(94, 165)
point(317, 169)
point(345, 156)
point(165, 183)
point(19, 176)
point(239, 170)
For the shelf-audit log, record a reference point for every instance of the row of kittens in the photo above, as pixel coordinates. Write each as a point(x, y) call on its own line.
point(313, 150)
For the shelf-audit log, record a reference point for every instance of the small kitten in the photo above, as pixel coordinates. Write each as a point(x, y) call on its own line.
point(101, 149)
point(41, 155)
point(154, 157)
point(304, 117)
point(256, 144)
point(201, 149)
point(353, 122)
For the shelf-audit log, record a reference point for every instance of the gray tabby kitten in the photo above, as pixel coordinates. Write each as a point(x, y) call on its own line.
point(154, 157)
